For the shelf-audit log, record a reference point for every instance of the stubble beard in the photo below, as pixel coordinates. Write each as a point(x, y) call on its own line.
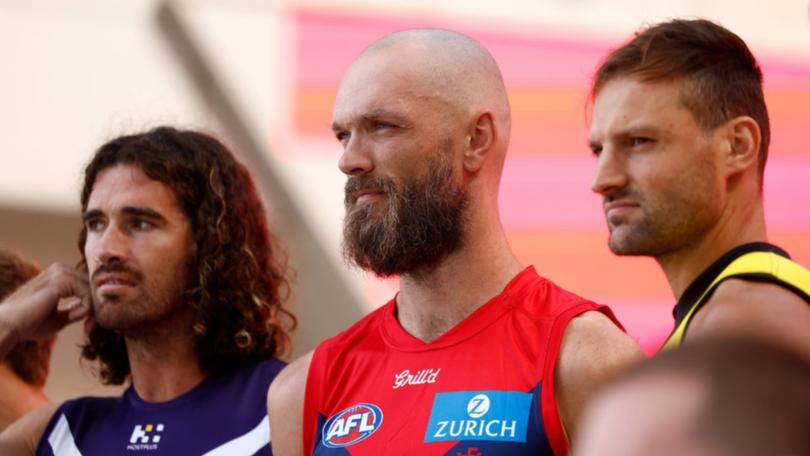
point(421, 225)
point(675, 221)
point(151, 307)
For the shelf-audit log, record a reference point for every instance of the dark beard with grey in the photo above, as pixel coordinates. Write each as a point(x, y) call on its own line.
point(421, 225)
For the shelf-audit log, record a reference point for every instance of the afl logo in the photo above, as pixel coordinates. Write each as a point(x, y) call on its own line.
point(352, 425)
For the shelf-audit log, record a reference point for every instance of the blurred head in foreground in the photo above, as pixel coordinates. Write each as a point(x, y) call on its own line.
point(730, 396)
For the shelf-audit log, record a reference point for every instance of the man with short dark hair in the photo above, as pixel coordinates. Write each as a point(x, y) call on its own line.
point(680, 129)
point(724, 397)
point(187, 286)
point(476, 354)
point(24, 369)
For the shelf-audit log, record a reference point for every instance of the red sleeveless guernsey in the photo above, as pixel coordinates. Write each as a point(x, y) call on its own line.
point(483, 388)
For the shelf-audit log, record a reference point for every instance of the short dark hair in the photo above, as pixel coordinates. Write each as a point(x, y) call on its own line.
point(29, 360)
point(238, 274)
point(757, 399)
point(721, 78)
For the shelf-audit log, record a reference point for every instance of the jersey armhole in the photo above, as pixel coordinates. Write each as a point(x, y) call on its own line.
point(552, 422)
point(315, 381)
point(755, 267)
point(43, 447)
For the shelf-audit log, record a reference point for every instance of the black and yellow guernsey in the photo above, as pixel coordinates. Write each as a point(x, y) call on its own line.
point(757, 261)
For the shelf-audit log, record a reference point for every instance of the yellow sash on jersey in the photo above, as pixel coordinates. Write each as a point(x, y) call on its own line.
point(757, 264)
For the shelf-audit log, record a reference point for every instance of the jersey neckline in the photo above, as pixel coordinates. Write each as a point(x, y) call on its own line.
point(203, 388)
point(395, 335)
point(695, 289)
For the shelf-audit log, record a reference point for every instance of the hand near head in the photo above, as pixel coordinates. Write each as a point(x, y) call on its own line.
point(33, 312)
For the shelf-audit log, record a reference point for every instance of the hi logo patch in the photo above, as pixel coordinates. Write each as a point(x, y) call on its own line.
point(352, 425)
point(479, 415)
point(145, 437)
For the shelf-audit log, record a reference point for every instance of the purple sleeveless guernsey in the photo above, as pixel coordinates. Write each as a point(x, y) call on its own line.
point(225, 415)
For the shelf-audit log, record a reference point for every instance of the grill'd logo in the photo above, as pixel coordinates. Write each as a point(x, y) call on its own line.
point(352, 425)
point(419, 378)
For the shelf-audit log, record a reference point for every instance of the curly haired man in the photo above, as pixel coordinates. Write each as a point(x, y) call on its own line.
point(187, 290)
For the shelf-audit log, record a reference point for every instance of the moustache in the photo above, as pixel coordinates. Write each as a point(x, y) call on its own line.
point(358, 184)
point(119, 268)
point(624, 193)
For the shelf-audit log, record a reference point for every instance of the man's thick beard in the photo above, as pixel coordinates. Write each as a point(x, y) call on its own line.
point(423, 223)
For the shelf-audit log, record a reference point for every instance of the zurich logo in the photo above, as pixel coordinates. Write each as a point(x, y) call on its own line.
point(478, 406)
point(352, 425)
point(495, 415)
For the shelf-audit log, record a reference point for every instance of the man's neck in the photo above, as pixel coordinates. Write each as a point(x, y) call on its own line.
point(164, 362)
point(736, 227)
point(430, 305)
point(17, 397)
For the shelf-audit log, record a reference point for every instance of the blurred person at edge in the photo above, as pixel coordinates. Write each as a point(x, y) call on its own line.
point(680, 131)
point(712, 397)
point(187, 287)
point(476, 353)
point(24, 369)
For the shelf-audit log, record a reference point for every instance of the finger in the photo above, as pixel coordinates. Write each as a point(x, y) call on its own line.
point(81, 277)
point(65, 305)
point(74, 284)
point(82, 310)
point(82, 273)
point(74, 308)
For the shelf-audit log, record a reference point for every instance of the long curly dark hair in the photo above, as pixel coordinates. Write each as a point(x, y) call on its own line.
point(239, 276)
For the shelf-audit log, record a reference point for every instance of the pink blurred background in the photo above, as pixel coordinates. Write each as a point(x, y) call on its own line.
point(552, 219)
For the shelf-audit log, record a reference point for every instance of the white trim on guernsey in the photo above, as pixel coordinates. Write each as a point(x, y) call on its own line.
point(61, 440)
point(248, 443)
point(63, 444)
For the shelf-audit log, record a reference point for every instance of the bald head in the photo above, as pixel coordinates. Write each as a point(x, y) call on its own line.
point(454, 66)
point(449, 68)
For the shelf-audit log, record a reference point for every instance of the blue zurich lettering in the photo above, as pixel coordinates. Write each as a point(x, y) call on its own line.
point(352, 425)
point(479, 415)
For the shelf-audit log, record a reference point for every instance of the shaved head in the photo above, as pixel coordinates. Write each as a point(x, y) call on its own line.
point(446, 66)
point(455, 64)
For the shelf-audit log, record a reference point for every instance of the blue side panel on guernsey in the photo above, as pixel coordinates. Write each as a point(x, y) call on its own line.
point(486, 422)
point(320, 448)
point(221, 416)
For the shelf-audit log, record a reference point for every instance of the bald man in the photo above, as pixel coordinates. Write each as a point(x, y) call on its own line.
point(476, 354)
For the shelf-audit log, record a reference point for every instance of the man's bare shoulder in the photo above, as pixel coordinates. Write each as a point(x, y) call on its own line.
point(291, 381)
point(285, 407)
point(593, 343)
point(756, 308)
point(593, 349)
point(22, 437)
